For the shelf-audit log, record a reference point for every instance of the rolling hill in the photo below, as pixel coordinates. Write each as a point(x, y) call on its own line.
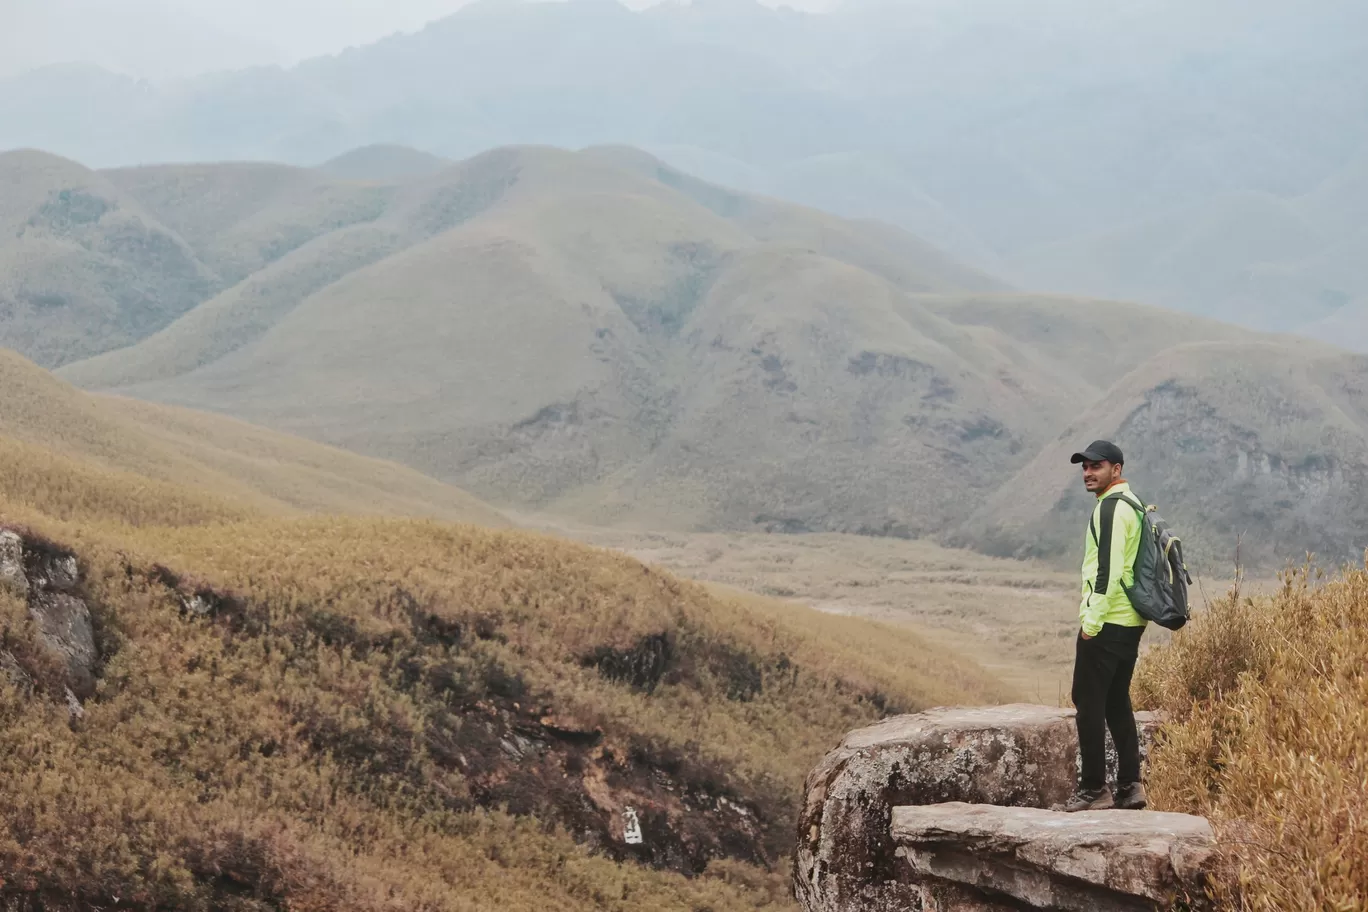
point(383, 162)
point(636, 314)
point(1256, 445)
point(84, 267)
point(72, 454)
point(600, 335)
point(212, 701)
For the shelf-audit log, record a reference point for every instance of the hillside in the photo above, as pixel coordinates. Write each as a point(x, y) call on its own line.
point(674, 354)
point(631, 310)
point(207, 706)
point(1266, 736)
point(1261, 440)
point(83, 267)
point(383, 162)
point(75, 455)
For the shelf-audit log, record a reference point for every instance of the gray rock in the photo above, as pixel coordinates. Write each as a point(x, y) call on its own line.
point(53, 571)
point(197, 605)
point(65, 628)
point(74, 706)
point(12, 562)
point(14, 672)
point(1103, 861)
point(1015, 756)
point(47, 579)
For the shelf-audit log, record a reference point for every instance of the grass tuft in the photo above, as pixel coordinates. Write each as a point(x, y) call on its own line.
point(1268, 737)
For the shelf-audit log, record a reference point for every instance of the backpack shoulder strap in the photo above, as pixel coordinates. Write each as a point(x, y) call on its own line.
point(1104, 544)
point(1108, 515)
point(1133, 502)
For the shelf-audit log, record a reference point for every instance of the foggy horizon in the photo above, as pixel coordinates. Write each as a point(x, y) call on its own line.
point(168, 39)
point(1207, 158)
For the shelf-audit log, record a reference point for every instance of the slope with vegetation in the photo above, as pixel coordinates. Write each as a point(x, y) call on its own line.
point(634, 313)
point(383, 162)
point(105, 458)
point(674, 354)
point(1255, 443)
point(83, 266)
point(324, 712)
point(1267, 735)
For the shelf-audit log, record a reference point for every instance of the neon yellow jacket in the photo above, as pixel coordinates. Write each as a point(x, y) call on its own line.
point(1109, 563)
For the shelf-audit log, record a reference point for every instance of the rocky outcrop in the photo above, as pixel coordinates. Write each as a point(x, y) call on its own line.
point(12, 562)
point(49, 580)
point(1008, 756)
point(1093, 862)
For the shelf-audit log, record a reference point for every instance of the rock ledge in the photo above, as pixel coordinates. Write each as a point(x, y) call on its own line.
point(847, 858)
point(1103, 860)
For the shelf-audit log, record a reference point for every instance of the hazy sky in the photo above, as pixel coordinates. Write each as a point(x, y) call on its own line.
point(159, 38)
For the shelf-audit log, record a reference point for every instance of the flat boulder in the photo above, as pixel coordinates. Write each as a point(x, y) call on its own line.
point(1101, 861)
point(1013, 756)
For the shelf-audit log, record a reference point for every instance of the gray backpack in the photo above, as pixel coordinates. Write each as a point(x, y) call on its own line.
point(1159, 592)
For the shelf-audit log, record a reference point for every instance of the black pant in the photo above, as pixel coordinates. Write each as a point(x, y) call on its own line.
point(1101, 692)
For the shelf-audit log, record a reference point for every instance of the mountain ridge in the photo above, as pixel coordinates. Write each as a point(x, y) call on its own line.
point(965, 126)
point(674, 353)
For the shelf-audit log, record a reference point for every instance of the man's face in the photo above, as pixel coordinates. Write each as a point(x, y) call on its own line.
point(1098, 476)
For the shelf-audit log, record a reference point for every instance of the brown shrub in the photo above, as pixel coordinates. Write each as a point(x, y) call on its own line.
point(1268, 737)
point(279, 724)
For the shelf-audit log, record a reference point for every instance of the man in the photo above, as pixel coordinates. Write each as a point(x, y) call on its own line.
point(1109, 639)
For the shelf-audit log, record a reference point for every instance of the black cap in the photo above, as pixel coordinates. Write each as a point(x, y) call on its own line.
point(1100, 451)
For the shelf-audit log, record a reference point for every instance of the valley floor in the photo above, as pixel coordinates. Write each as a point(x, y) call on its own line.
point(1017, 619)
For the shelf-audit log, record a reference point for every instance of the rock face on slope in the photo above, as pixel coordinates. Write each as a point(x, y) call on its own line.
point(48, 579)
point(862, 846)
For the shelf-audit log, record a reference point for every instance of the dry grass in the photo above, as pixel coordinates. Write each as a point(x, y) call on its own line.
point(104, 457)
point(1017, 619)
point(44, 481)
point(1268, 700)
point(287, 752)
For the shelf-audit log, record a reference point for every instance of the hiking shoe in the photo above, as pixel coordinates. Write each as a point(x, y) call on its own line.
point(1087, 800)
point(1132, 797)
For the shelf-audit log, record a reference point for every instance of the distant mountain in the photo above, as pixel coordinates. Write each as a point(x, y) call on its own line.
point(152, 39)
point(659, 341)
point(1258, 440)
point(1039, 143)
point(1287, 263)
point(383, 163)
point(599, 334)
point(1240, 258)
